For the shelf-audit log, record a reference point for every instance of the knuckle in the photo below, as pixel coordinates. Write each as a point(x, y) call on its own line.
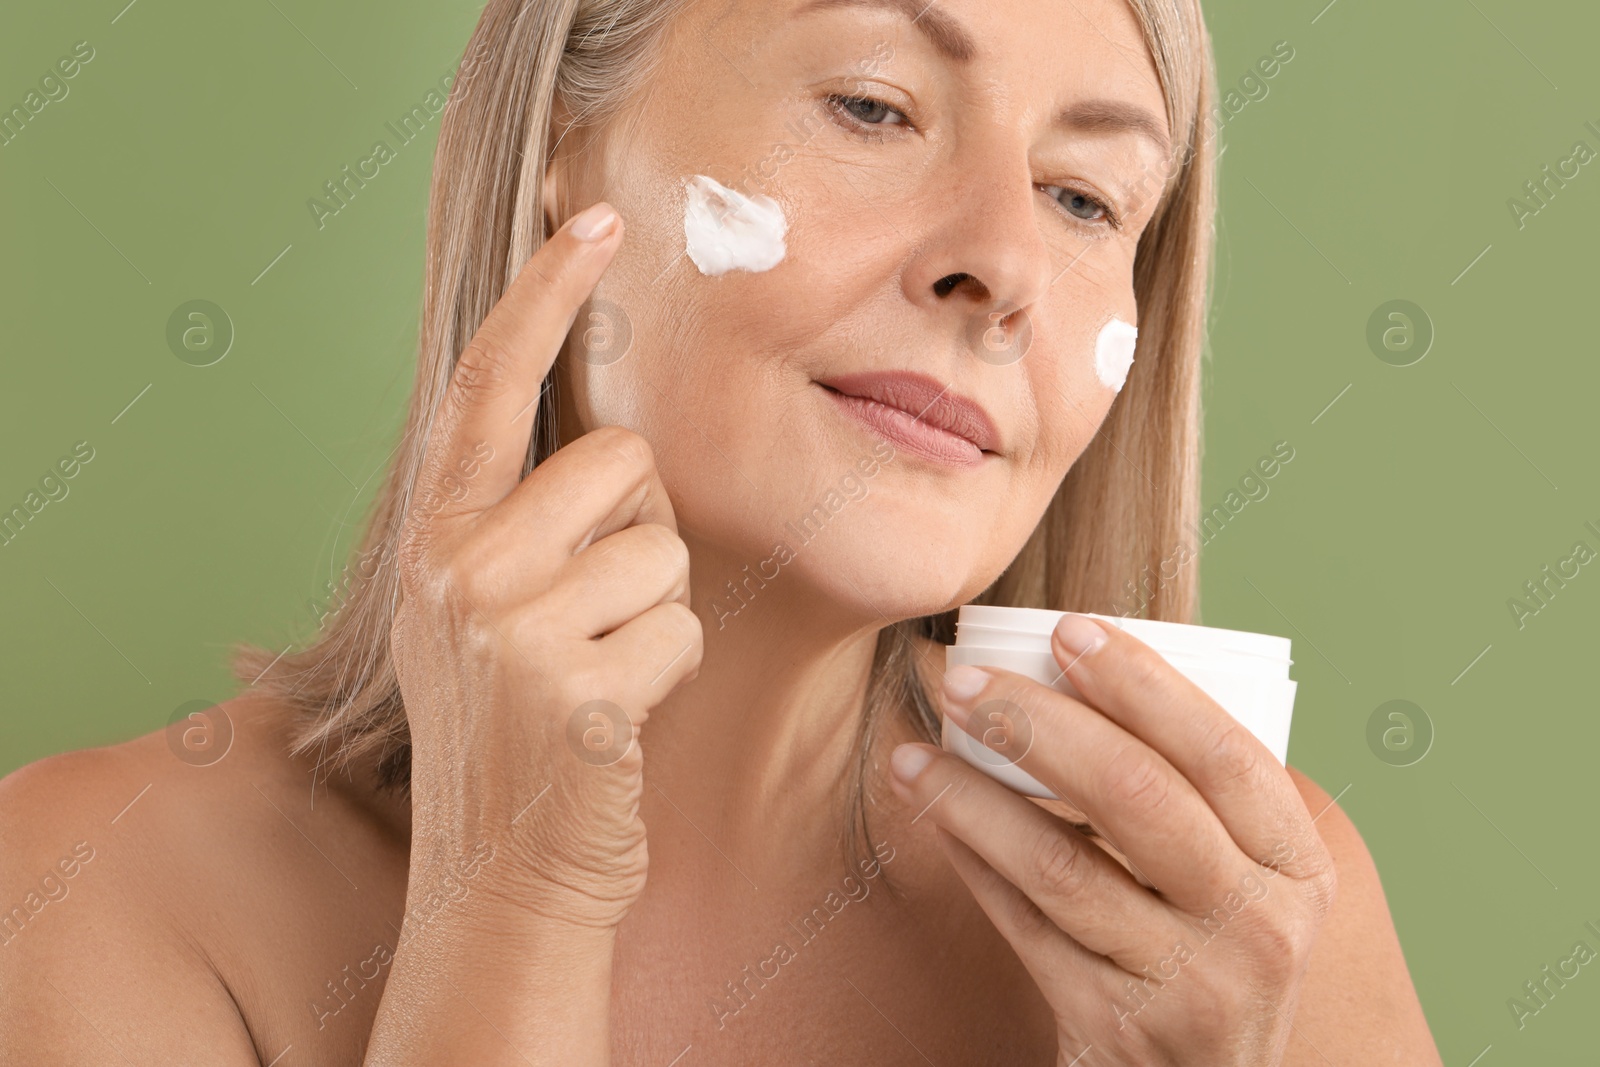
point(1146, 670)
point(430, 592)
point(484, 643)
point(683, 643)
point(1063, 870)
point(469, 581)
point(533, 625)
point(1027, 919)
point(1321, 884)
point(667, 550)
point(423, 581)
point(484, 366)
point(1285, 943)
point(1234, 757)
point(1215, 993)
point(579, 685)
point(622, 444)
point(684, 623)
point(1138, 782)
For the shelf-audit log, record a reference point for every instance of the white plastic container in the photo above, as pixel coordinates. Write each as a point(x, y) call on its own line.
point(1246, 673)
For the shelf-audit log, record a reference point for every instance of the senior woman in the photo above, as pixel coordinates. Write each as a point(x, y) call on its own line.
point(758, 336)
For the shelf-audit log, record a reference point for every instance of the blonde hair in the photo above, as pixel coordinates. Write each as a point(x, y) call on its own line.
point(1129, 503)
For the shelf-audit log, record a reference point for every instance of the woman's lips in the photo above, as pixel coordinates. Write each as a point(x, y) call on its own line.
point(916, 413)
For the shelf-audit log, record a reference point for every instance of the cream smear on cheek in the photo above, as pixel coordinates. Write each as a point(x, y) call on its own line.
point(1113, 353)
point(726, 230)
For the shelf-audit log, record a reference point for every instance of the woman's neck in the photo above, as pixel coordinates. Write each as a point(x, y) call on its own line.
point(757, 751)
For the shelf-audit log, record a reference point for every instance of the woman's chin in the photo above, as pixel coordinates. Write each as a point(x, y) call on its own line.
point(886, 581)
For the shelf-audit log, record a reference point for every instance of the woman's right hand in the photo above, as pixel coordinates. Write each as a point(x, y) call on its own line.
point(540, 621)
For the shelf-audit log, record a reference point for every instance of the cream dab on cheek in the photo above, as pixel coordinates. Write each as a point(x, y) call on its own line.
point(726, 230)
point(1113, 353)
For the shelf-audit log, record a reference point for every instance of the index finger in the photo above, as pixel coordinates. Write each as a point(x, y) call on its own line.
point(486, 417)
point(1131, 796)
point(1249, 790)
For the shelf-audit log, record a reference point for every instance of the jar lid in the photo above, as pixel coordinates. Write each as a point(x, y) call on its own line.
point(1161, 635)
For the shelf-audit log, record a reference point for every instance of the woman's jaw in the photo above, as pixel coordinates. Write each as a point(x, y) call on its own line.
point(777, 395)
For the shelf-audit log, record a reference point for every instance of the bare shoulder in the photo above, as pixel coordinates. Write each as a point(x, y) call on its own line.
point(1358, 973)
point(139, 880)
point(1331, 821)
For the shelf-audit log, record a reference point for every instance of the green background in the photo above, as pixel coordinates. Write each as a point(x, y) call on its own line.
point(1377, 167)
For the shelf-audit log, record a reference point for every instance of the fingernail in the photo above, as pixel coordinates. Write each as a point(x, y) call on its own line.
point(908, 761)
point(1079, 634)
point(963, 683)
point(593, 222)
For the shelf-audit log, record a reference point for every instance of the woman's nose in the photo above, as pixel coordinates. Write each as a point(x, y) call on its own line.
point(984, 249)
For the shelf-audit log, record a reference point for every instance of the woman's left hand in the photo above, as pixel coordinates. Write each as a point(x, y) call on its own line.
point(1205, 967)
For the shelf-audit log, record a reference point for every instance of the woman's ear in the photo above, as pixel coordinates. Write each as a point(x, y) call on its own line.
point(548, 190)
point(552, 185)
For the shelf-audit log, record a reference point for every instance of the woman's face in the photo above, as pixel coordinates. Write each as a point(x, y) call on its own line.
point(931, 186)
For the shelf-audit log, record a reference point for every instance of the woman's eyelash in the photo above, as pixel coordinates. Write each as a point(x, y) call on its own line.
point(847, 108)
point(1110, 216)
point(844, 106)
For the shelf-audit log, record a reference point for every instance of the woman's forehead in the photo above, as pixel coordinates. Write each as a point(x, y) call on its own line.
point(1082, 66)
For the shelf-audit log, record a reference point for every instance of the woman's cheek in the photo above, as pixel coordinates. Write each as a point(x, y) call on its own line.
point(1114, 346)
point(1073, 399)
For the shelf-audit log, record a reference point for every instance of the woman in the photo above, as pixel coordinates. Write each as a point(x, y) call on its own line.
point(723, 517)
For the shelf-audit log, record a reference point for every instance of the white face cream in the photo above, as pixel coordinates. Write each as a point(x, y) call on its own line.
point(1113, 353)
point(726, 230)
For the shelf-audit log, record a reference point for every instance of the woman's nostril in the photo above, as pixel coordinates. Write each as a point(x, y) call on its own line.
point(944, 285)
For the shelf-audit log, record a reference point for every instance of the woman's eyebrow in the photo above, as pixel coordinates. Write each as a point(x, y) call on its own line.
point(944, 32)
point(952, 41)
point(1114, 116)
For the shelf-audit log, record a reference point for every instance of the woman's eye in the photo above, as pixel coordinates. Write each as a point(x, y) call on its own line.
point(865, 110)
point(1083, 206)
